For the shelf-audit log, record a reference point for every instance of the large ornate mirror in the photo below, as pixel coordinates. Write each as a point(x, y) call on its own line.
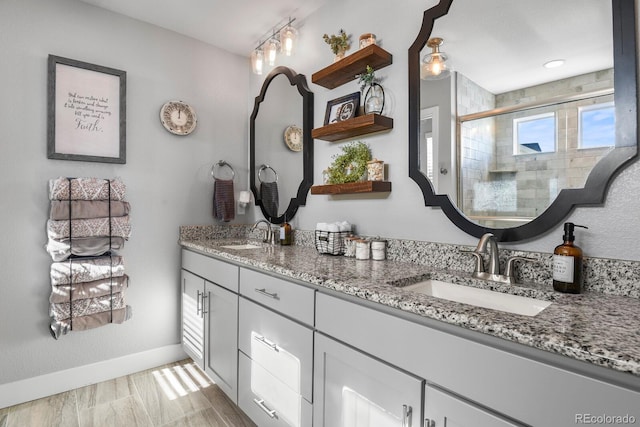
point(504, 144)
point(280, 145)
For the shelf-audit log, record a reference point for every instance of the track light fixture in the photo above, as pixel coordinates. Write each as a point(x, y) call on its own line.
point(282, 40)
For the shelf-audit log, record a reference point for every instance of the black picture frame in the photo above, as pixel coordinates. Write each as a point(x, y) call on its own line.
point(86, 111)
point(343, 108)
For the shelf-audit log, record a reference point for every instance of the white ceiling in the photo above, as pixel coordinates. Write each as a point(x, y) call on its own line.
point(236, 25)
point(518, 37)
point(525, 34)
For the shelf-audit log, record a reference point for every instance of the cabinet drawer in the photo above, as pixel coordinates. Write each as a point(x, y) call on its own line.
point(288, 298)
point(281, 346)
point(267, 400)
point(215, 271)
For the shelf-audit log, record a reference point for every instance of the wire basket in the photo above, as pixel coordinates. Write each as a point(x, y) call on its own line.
point(330, 242)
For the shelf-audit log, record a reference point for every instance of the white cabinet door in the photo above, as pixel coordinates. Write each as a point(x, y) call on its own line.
point(192, 318)
point(221, 332)
point(352, 389)
point(444, 410)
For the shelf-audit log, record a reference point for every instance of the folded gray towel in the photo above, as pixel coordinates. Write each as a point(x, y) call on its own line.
point(223, 200)
point(270, 197)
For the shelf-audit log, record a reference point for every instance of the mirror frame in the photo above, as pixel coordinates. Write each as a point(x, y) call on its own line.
point(595, 188)
point(300, 81)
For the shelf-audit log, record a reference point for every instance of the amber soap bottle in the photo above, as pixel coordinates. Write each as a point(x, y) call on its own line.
point(285, 233)
point(567, 263)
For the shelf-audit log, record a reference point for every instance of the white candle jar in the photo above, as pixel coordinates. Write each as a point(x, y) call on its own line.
point(378, 250)
point(363, 249)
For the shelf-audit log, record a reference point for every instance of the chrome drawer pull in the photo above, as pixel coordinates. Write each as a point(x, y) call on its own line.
point(406, 415)
point(204, 296)
point(198, 306)
point(266, 342)
point(270, 412)
point(267, 294)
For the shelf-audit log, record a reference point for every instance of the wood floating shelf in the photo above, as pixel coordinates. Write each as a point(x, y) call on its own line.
point(353, 187)
point(351, 128)
point(346, 69)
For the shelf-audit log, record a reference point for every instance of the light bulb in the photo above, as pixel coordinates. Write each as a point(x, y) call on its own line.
point(436, 68)
point(272, 50)
point(288, 38)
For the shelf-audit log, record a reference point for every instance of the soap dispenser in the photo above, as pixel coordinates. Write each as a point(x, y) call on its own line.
point(567, 263)
point(285, 233)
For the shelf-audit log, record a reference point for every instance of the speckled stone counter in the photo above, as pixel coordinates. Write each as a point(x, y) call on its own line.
point(600, 329)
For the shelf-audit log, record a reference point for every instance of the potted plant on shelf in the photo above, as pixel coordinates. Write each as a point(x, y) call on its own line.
point(339, 44)
point(374, 95)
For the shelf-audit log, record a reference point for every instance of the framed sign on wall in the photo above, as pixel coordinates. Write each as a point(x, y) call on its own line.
point(86, 108)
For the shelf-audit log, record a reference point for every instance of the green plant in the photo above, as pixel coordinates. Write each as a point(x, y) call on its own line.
point(351, 165)
point(338, 42)
point(368, 78)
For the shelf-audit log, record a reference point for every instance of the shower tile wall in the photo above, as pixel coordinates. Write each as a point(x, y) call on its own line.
point(487, 148)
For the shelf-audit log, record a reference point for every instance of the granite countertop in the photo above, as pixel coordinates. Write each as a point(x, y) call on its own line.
point(600, 329)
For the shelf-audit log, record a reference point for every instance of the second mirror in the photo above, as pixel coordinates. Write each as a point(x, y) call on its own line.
point(281, 147)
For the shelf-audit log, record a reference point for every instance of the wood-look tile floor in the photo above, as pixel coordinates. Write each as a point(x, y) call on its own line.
point(172, 395)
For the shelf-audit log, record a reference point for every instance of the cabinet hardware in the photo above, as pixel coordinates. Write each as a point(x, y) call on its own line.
point(199, 303)
point(406, 415)
point(266, 342)
point(264, 292)
point(203, 311)
point(270, 412)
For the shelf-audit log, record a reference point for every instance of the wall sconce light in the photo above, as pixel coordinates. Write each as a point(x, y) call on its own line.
point(257, 60)
point(273, 46)
point(282, 40)
point(288, 38)
point(435, 65)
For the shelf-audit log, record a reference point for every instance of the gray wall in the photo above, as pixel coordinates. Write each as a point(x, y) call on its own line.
point(167, 176)
point(614, 229)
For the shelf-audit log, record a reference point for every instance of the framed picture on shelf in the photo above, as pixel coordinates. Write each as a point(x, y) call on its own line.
point(86, 111)
point(341, 109)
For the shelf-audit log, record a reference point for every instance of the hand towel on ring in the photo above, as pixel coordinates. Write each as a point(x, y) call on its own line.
point(270, 197)
point(223, 200)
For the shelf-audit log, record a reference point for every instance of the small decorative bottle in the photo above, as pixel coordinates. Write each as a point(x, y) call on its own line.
point(567, 263)
point(285, 233)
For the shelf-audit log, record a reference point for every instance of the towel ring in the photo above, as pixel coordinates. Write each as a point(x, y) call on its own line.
point(220, 164)
point(265, 167)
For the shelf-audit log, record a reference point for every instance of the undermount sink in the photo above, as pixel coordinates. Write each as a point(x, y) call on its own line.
point(479, 297)
point(242, 246)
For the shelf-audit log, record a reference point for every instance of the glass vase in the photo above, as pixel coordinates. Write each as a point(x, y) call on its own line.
point(374, 99)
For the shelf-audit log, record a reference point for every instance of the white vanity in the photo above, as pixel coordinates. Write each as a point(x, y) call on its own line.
point(296, 352)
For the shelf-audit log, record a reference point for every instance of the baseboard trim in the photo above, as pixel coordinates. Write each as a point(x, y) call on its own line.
point(57, 382)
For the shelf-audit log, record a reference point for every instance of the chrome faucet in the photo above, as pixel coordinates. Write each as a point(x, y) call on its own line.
point(489, 240)
point(268, 233)
point(488, 244)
